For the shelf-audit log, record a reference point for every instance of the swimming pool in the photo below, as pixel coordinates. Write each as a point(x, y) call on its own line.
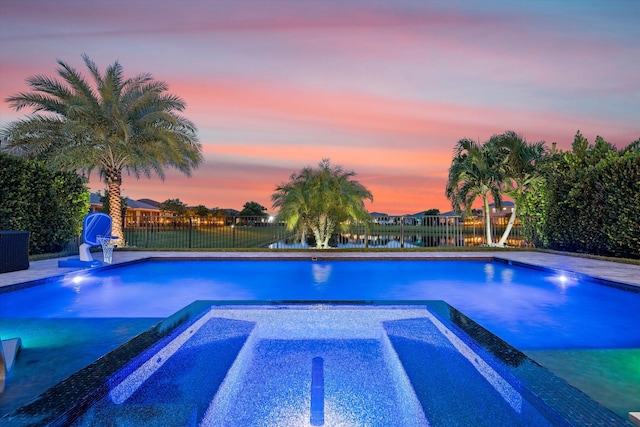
point(537, 311)
point(413, 364)
point(531, 309)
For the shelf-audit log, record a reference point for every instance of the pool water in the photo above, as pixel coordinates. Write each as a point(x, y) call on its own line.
point(530, 309)
point(611, 377)
point(56, 348)
point(558, 318)
point(381, 366)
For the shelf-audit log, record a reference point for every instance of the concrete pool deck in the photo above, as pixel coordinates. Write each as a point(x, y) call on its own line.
point(606, 270)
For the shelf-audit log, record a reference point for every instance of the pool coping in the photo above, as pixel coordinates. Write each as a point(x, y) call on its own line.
point(605, 270)
point(560, 402)
point(504, 258)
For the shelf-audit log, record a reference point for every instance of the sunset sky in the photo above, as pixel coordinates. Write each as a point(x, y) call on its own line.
point(383, 88)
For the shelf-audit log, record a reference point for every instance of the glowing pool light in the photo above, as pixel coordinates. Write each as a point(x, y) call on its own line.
point(563, 280)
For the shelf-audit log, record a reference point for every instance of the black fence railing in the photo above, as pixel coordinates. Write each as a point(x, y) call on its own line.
point(167, 232)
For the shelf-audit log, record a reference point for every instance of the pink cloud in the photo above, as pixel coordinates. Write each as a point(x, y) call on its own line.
point(383, 88)
point(402, 122)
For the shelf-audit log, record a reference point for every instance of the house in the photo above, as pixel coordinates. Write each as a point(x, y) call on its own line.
point(230, 212)
point(231, 216)
point(139, 212)
point(506, 209)
point(150, 202)
point(95, 204)
point(451, 218)
point(381, 218)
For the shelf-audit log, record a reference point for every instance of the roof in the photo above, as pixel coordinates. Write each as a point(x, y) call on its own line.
point(149, 202)
point(505, 204)
point(137, 204)
point(94, 199)
point(231, 212)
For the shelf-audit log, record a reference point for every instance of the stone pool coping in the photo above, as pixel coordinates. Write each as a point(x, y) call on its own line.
point(607, 271)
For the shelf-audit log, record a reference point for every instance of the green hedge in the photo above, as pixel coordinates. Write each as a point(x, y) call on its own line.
point(51, 205)
point(590, 201)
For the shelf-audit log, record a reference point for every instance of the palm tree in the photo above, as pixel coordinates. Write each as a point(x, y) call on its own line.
point(293, 201)
point(475, 172)
point(320, 200)
point(520, 170)
point(116, 125)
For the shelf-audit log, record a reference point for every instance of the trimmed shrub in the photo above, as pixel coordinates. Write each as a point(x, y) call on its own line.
point(590, 201)
point(51, 205)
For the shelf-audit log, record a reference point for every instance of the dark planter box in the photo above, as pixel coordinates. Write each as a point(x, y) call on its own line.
point(14, 251)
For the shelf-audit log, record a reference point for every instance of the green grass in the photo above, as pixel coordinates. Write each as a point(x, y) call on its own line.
point(211, 238)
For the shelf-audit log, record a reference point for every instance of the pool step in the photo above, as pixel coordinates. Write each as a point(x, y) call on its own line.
point(142, 416)
point(454, 389)
point(315, 382)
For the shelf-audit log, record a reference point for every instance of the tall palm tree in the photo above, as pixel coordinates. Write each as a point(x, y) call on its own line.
point(114, 125)
point(320, 200)
point(292, 199)
point(475, 172)
point(520, 170)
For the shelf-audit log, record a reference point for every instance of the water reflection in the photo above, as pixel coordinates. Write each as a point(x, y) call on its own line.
point(563, 281)
point(320, 273)
point(408, 239)
point(489, 272)
point(507, 275)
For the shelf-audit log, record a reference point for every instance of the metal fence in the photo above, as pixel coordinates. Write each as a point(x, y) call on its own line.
point(230, 232)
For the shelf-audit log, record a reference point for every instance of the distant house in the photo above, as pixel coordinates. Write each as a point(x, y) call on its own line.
point(141, 213)
point(506, 209)
point(381, 218)
point(231, 212)
point(150, 202)
point(95, 204)
point(477, 216)
point(451, 217)
point(138, 212)
point(414, 219)
point(230, 216)
point(448, 214)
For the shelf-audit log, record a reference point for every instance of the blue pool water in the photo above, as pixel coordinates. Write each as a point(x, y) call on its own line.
point(531, 309)
point(372, 361)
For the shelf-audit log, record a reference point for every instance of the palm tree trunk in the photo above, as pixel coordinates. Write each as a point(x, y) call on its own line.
point(487, 222)
point(115, 212)
point(512, 220)
point(317, 235)
point(322, 233)
point(328, 230)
